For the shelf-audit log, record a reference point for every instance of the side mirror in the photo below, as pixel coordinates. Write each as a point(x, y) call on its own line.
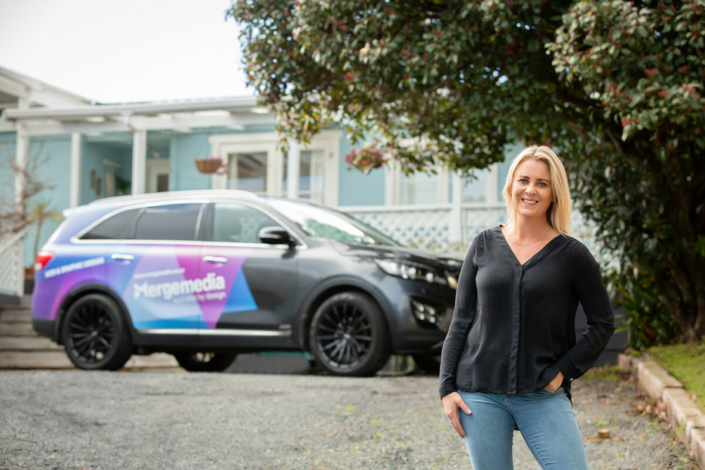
point(275, 236)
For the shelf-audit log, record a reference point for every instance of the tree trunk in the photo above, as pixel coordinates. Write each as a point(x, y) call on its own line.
point(36, 239)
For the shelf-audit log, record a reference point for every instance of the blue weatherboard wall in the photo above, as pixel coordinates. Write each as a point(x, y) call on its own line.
point(356, 188)
point(184, 149)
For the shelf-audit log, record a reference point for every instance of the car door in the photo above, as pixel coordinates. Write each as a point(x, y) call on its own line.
point(156, 267)
point(259, 279)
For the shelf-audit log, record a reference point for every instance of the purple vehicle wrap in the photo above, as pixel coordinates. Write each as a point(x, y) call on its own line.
point(163, 285)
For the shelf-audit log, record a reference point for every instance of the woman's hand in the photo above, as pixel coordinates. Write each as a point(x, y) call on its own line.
point(451, 403)
point(555, 383)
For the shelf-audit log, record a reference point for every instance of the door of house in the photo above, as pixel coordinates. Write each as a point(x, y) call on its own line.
point(157, 175)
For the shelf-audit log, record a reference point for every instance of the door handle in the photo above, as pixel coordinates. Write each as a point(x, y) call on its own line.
point(215, 259)
point(122, 257)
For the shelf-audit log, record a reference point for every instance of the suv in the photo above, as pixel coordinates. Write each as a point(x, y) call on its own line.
point(205, 275)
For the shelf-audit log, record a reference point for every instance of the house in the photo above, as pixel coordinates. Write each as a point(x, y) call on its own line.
point(97, 150)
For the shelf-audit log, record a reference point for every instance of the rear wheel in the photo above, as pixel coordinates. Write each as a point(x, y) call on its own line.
point(205, 361)
point(348, 335)
point(95, 335)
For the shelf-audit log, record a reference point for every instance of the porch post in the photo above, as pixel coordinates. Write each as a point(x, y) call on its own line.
point(493, 184)
point(292, 170)
point(455, 228)
point(76, 154)
point(139, 161)
point(21, 152)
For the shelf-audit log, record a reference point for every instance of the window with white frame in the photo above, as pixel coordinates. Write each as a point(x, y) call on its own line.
point(418, 188)
point(256, 163)
point(248, 172)
point(312, 178)
point(429, 189)
point(474, 190)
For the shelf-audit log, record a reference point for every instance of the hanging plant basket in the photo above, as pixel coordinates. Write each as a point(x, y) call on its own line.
point(208, 165)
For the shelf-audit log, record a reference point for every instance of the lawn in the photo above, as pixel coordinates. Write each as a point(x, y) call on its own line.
point(686, 363)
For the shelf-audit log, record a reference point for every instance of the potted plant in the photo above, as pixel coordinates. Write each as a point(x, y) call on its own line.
point(209, 165)
point(123, 185)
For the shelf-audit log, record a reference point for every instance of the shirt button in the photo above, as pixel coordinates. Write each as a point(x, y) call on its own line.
point(570, 380)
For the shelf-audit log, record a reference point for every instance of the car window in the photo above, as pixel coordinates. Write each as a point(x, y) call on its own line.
point(327, 223)
point(169, 222)
point(234, 223)
point(114, 228)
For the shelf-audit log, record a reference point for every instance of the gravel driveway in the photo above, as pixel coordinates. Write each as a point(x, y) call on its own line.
point(73, 419)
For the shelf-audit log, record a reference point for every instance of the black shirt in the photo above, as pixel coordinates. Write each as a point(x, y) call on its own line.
point(513, 326)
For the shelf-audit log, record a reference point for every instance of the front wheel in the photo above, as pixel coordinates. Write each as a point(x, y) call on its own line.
point(95, 334)
point(349, 336)
point(204, 361)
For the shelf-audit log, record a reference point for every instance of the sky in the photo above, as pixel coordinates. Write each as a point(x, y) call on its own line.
point(113, 51)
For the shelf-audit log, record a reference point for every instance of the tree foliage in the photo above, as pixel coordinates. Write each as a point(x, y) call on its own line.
point(615, 86)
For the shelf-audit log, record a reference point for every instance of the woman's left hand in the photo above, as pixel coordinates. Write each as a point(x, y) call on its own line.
point(555, 383)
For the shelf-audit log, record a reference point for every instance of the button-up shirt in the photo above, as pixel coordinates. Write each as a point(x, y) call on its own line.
point(513, 326)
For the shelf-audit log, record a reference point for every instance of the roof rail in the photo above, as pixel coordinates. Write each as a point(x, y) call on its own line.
point(167, 195)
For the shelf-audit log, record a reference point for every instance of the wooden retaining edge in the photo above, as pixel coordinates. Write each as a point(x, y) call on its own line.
point(684, 415)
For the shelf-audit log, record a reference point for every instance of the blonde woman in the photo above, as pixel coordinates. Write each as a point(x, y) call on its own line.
point(511, 352)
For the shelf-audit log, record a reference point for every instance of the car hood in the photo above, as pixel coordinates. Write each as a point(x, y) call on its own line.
point(447, 261)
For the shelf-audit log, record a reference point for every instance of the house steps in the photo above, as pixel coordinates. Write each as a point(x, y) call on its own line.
point(21, 348)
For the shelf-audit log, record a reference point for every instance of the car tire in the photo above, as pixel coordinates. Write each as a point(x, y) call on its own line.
point(429, 363)
point(348, 335)
point(95, 334)
point(204, 361)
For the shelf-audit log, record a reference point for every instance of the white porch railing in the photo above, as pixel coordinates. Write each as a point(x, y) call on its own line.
point(12, 264)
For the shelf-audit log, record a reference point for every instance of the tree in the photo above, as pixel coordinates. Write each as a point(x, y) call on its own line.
point(15, 211)
point(615, 86)
point(39, 211)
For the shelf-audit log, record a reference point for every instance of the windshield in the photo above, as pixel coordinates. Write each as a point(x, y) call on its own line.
point(327, 223)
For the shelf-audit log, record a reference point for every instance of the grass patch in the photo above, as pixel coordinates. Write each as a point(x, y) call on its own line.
point(607, 373)
point(685, 362)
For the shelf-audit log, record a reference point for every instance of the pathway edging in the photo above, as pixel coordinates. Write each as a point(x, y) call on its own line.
point(684, 415)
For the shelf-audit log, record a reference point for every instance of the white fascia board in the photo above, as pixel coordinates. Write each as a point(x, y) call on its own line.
point(180, 124)
point(241, 104)
point(49, 128)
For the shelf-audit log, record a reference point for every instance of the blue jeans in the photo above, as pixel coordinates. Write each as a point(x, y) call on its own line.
point(545, 419)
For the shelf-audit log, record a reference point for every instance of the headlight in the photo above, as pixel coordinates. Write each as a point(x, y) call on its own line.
point(408, 270)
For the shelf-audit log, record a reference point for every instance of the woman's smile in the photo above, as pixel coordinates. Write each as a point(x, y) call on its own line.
point(531, 189)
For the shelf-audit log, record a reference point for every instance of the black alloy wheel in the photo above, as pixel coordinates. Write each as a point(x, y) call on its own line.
point(95, 335)
point(205, 361)
point(349, 336)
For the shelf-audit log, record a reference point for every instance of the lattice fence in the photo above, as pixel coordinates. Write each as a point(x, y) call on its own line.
point(428, 228)
point(418, 228)
point(12, 264)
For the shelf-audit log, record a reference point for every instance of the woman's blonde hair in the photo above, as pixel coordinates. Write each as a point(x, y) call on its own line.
point(558, 213)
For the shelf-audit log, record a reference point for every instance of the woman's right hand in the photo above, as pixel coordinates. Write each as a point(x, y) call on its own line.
point(451, 403)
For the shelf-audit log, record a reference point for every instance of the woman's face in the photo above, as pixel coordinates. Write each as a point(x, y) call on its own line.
point(532, 193)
